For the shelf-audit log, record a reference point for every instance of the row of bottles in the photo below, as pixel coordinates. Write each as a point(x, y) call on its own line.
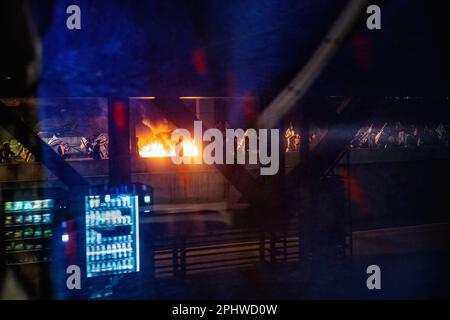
point(93, 237)
point(125, 265)
point(123, 201)
point(110, 251)
point(107, 218)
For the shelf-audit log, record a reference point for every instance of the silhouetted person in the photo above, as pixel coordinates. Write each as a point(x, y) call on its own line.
point(297, 142)
point(96, 153)
point(290, 136)
point(62, 150)
point(137, 147)
point(6, 153)
point(180, 143)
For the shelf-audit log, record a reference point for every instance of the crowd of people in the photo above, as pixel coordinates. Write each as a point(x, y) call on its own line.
point(95, 148)
point(401, 135)
point(373, 136)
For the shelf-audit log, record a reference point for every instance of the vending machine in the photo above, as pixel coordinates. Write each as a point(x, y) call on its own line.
point(112, 235)
point(28, 230)
point(30, 221)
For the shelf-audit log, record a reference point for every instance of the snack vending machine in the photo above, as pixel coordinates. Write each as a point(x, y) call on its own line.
point(28, 229)
point(112, 235)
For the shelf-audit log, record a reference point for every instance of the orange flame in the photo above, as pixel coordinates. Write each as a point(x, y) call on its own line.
point(159, 144)
point(158, 149)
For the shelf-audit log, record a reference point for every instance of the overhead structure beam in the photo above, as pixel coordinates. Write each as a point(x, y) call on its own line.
point(298, 87)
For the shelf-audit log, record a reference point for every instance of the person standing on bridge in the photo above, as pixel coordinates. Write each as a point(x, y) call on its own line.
point(6, 153)
point(96, 153)
point(62, 150)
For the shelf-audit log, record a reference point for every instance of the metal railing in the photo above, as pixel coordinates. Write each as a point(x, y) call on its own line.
point(236, 248)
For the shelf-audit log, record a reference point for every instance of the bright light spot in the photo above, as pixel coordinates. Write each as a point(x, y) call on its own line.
point(157, 149)
point(65, 237)
point(147, 199)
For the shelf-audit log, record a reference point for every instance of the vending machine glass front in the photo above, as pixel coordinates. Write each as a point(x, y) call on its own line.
point(112, 234)
point(27, 231)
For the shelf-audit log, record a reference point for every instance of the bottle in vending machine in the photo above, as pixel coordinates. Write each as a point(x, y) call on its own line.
point(97, 253)
point(107, 218)
point(91, 203)
point(114, 251)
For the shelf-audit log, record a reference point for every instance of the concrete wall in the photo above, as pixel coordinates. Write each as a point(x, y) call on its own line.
point(171, 183)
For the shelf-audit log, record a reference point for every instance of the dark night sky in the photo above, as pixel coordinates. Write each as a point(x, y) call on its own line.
point(176, 47)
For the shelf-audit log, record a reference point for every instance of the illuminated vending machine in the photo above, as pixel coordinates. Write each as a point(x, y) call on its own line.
point(29, 225)
point(112, 235)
